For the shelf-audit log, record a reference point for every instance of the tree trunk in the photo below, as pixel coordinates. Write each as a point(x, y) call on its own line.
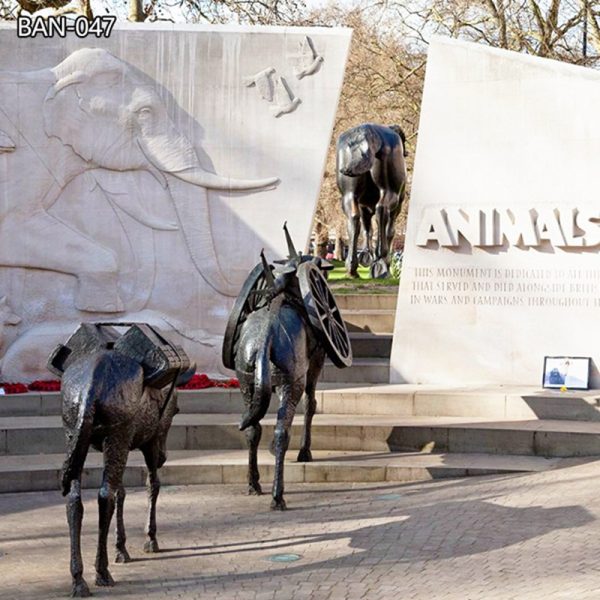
point(321, 239)
point(136, 11)
point(339, 242)
point(86, 9)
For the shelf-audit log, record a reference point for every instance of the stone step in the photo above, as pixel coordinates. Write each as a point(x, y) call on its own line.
point(35, 435)
point(363, 370)
point(487, 402)
point(366, 301)
point(211, 400)
point(371, 320)
point(400, 400)
point(371, 345)
point(37, 473)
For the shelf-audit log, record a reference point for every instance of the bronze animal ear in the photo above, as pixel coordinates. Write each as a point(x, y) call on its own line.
point(292, 253)
point(267, 271)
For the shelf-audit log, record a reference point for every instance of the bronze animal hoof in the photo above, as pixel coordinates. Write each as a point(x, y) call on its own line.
point(80, 590)
point(122, 557)
point(254, 489)
point(104, 579)
point(278, 504)
point(151, 546)
point(305, 456)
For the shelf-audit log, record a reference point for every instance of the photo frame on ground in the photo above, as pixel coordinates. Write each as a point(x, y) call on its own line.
point(571, 372)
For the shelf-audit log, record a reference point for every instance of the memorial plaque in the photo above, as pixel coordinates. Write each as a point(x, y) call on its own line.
point(142, 173)
point(502, 257)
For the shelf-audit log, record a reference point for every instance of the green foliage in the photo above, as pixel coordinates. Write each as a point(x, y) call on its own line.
point(342, 284)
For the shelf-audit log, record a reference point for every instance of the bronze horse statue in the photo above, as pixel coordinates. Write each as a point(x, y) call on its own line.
point(111, 402)
point(371, 176)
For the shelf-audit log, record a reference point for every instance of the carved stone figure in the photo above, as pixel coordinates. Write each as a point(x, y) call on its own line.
point(93, 111)
point(109, 198)
point(371, 176)
point(309, 61)
point(118, 393)
point(284, 99)
point(7, 316)
point(263, 81)
point(282, 325)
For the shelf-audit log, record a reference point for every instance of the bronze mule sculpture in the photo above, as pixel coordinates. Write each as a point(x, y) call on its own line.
point(283, 324)
point(371, 176)
point(109, 403)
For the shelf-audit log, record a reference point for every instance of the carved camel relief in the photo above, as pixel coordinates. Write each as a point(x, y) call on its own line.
point(94, 111)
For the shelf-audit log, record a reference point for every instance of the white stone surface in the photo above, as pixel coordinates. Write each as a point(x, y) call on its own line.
point(109, 203)
point(501, 135)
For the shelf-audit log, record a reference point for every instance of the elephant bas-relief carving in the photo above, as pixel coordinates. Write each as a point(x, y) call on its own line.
point(94, 111)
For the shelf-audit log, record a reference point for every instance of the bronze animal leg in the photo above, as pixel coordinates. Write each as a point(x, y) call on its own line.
point(122, 556)
point(75, 517)
point(115, 458)
point(352, 213)
point(253, 435)
point(366, 217)
point(383, 217)
point(391, 226)
point(310, 404)
point(289, 396)
point(152, 489)
point(380, 267)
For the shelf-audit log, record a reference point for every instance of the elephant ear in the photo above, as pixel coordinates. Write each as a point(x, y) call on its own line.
point(64, 117)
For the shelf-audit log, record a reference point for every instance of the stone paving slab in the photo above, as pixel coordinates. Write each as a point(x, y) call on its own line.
point(510, 537)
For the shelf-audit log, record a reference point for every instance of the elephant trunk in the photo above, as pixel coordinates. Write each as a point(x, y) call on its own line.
point(193, 214)
point(173, 154)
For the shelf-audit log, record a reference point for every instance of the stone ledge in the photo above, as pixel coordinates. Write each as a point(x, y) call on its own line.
point(36, 473)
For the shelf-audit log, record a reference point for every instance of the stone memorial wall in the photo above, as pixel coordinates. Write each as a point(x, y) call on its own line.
point(141, 174)
point(502, 257)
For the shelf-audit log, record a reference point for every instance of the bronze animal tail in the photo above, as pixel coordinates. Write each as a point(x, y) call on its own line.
point(262, 388)
point(79, 444)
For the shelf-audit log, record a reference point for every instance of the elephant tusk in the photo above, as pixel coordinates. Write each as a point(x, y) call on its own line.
point(213, 181)
point(71, 79)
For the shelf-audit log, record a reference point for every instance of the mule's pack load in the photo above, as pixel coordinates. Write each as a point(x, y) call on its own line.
point(160, 359)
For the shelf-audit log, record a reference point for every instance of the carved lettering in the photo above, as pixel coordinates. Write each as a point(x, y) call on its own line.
point(526, 228)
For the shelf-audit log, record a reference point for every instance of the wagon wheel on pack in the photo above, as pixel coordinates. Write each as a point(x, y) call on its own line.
point(324, 314)
point(249, 300)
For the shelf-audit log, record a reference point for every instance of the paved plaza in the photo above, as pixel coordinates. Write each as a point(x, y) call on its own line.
point(496, 537)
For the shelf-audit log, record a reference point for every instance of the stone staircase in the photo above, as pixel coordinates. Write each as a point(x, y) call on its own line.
point(363, 432)
point(207, 447)
point(370, 322)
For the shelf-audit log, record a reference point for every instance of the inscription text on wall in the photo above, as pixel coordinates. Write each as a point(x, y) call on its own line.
point(490, 227)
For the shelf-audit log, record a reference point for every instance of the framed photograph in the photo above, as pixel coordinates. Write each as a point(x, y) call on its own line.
point(571, 372)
